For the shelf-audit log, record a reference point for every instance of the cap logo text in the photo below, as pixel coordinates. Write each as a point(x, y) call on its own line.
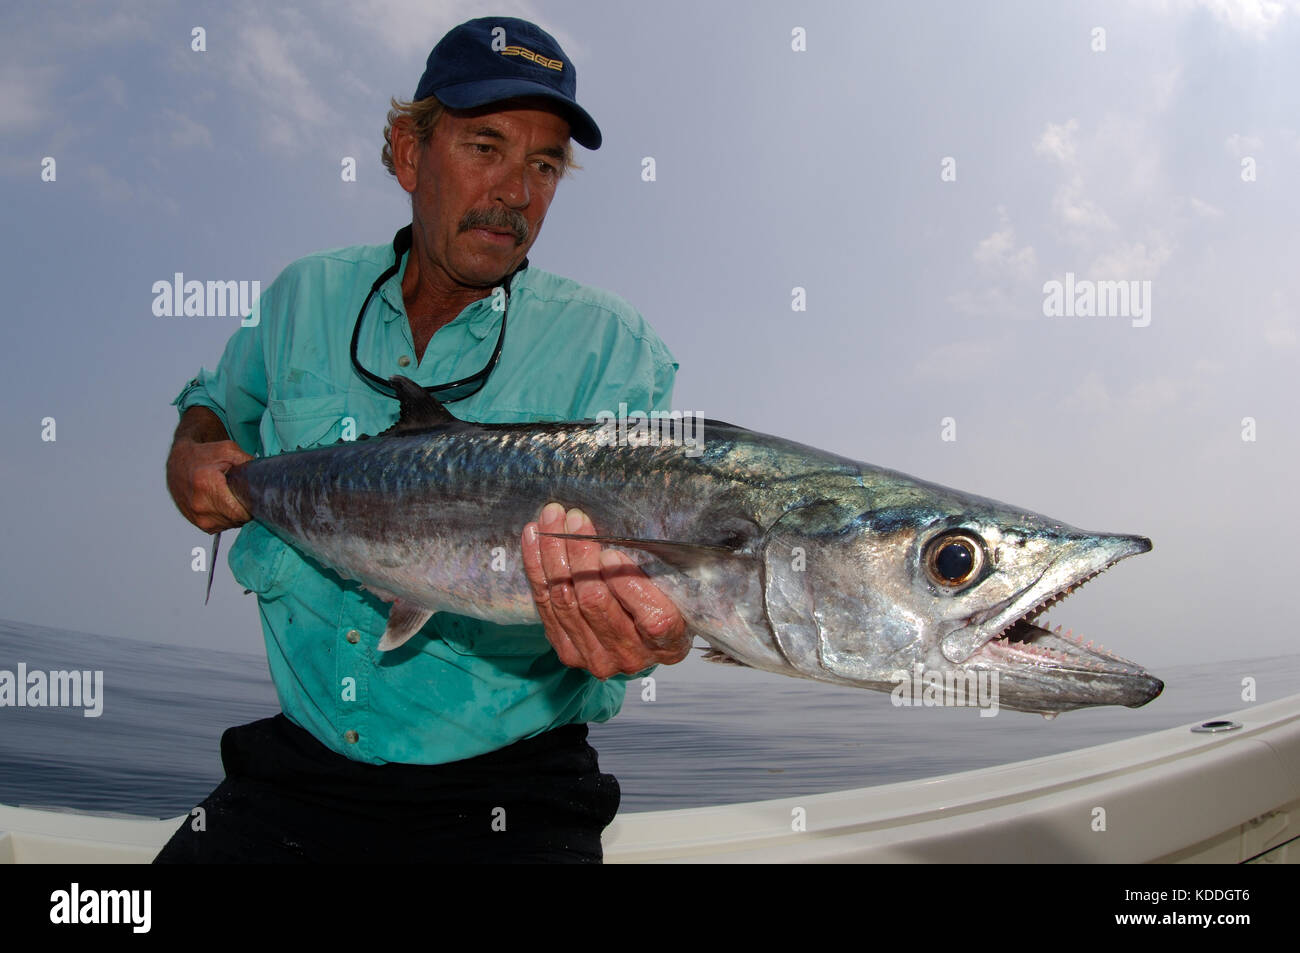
point(535, 57)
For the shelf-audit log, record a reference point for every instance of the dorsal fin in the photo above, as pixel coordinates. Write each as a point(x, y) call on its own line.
point(419, 409)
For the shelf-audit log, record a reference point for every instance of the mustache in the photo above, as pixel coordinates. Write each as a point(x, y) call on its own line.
point(498, 217)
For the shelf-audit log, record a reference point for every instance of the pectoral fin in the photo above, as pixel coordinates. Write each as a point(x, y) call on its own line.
point(404, 620)
point(722, 658)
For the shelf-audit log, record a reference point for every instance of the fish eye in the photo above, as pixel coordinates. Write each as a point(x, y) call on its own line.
point(954, 559)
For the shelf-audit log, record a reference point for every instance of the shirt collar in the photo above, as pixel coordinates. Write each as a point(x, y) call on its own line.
point(480, 318)
point(391, 292)
point(483, 318)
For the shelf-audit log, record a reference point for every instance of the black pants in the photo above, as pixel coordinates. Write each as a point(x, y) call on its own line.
point(289, 799)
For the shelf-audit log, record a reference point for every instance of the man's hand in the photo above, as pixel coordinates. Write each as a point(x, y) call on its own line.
point(601, 612)
point(196, 472)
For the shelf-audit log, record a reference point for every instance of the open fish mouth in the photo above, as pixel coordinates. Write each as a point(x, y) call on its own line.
point(1026, 643)
point(1048, 670)
point(1021, 640)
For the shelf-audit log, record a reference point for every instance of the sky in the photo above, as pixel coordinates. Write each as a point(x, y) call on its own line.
point(921, 171)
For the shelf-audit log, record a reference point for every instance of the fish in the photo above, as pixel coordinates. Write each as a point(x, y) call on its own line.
point(779, 556)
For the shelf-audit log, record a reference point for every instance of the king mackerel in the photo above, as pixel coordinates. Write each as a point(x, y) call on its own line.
point(781, 557)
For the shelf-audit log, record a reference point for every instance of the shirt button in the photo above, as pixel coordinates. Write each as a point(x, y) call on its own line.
point(354, 636)
point(403, 361)
point(351, 737)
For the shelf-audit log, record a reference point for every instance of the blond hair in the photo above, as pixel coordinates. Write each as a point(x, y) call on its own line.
point(422, 116)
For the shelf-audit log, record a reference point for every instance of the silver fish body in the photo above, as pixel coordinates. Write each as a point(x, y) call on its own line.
point(781, 557)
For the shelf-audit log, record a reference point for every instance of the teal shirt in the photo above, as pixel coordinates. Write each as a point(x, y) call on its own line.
point(471, 687)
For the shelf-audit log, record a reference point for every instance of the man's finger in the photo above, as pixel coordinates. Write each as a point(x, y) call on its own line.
point(657, 619)
point(196, 477)
point(212, 497)
point(606, 617)
point(555, 634)
point(564, 597)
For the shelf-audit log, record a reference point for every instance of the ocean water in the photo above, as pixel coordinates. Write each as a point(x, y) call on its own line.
point(711, 734)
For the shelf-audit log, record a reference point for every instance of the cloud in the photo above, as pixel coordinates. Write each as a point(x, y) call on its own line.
point(266, 70)
point(1280, 325)
point(998, 253)
point(1058, 141)
point(1240, 146)
point(187, 133)
point(1165, 87)
point(1076, 210)
point(109, 187)
point(1003, 270)
point(1120, 156)
point(1132, 260)
point(1090, 397)
point(1157, 393)
point(1256, 18)
point(24, 95)
point(302, 73)
point(408, 28)
point(976, 353)
point(1280, 335)
point(113, 90)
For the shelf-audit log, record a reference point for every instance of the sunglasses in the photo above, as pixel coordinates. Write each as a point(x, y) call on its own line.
point(444, 393)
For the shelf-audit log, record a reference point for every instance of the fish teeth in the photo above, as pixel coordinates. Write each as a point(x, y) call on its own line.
point(1050, 600)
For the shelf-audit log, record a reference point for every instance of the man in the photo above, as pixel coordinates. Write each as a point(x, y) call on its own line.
point(470, 742)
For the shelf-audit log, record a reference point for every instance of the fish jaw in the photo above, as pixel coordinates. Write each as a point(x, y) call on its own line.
point(1043, 671)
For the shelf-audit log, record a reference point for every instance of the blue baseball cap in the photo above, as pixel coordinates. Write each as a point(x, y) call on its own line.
point(494, 58)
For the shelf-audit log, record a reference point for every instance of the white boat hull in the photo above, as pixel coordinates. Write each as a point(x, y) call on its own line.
point(1169, 796)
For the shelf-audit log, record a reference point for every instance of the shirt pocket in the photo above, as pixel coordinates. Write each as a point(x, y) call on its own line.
point(301, 422)
point(263, 563)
